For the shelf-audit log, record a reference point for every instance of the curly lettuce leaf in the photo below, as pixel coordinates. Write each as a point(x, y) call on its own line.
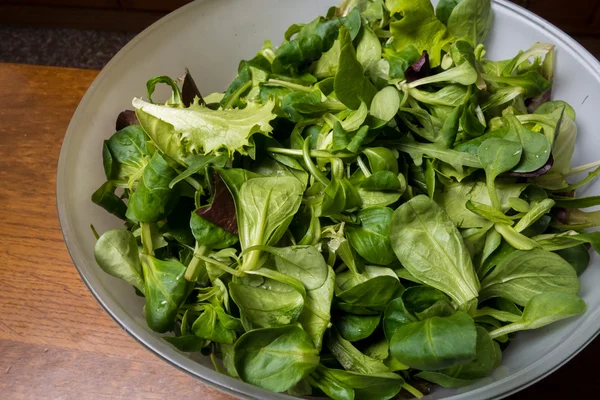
point(181, 132)
point(418, 27)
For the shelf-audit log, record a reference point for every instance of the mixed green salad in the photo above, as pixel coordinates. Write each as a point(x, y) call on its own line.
point(368, 208)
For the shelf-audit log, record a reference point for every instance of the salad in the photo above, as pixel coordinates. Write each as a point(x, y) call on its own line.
point(370, 209)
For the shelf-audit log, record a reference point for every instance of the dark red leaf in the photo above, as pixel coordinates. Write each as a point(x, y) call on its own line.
point(538, 172)
point(418, 70)
point(221, 211)
point(125, 119)
point(189, 90)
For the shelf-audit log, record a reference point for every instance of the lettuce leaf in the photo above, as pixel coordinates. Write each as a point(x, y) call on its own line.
point(181, 132)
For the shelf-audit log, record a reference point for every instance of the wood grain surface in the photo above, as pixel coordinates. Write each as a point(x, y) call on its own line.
point(56, 342)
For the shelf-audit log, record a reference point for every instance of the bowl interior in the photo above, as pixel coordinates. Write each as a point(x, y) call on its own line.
point(210, 38)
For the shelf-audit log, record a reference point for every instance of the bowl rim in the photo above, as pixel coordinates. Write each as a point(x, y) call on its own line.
point(543, 367)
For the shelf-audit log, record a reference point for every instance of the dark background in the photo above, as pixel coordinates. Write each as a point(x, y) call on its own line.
point(87, 33)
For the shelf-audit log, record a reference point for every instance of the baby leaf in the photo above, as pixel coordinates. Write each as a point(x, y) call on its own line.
point(396, 315)
point(199, 130)
point(275, 358)
point(430, 247)
point(523, 274)
point(210, 327)
point(371, 240)
point(356, 327)
point(385, 104)
point(116, 252)
point(498, 156)
point(536, 147)
point(544, 309)
point(210, 235)
point(471, 19)
point(166, 290)
point(351, 86)
point(315, 316)
point(152, 199)
point(436, 343)
point(106, 198)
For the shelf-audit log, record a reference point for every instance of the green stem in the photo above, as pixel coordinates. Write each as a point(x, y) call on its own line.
point(491, 185)
point(363, 167)
point(583, 168)
point(220, 265)
point(147, 246)
point(312, 153)
point(505, 330)
point(236, 95)
point(195, 267)
point(312, 168)
point(412, 390)
point(289, 85)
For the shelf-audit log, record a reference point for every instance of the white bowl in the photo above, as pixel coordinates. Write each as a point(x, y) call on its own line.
point(211, 37)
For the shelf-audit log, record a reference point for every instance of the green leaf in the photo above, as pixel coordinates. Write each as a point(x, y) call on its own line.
point(383, 181)
point(430, 247)
point(127, 153)
point(178, 132)
point(266, 308)
point(176, 92)
point(265, 209)
point(471, 19)
point(524, 274)
point(371, 239)
point(436, 343)
point(351, 358)
point(166, 290)
point(210, 327)
point(488, 212)
point(400, 60)
point(106, 198)
point(315, 316)
point(544, 309)
point(153, 200)
point(374, 288)
point(444, 9)
point(356, 327)
point(209, 234)
point(275, 359)
point(418, 27)
point(385, 104)
point(116, 252)
point(536, 148)
point(348, 385)
point(351, 86)
point(396, 315)
point(498, 156)
point(381, 159)
point(368, 49)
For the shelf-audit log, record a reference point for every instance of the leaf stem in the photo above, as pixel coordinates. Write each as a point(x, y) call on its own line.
point(312, 153)
point(412, 390)
point(195, 266)
point(236, 95)
point(505, 330)
point(312, 168)
point(289, 85)
point(363, 167)
point(147, 245)
point(583, 168)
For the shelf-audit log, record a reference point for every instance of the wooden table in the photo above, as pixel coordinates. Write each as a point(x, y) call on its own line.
point(56, 342)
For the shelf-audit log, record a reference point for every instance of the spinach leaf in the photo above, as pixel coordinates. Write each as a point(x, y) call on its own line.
point(351, 358)
point(524, 274)
point(209, 326)
point(165, 291)
point(350, 85)
point(381, 159)
point(275, 358)
point(210, 235)
point(346, 385)
point(536, 148)
point(152, 199)
point(265, 209)
point(316, 314)
point(498, 156)
point(106, 198)
point(400, 60)
point(396, 315)
point(461, 375)
point(384, 181)
point(471, 19)
point(264, 308)
point(385, 104)
point(373, 288)
point(578, 257)
point(436, 343)
point(116, 252)
point(371, 239)
point(544, 309)
point(430, 247)
point(128, 156)
point(455, 196)
point(356, 327)
point(368, 49)
point(444, 9)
